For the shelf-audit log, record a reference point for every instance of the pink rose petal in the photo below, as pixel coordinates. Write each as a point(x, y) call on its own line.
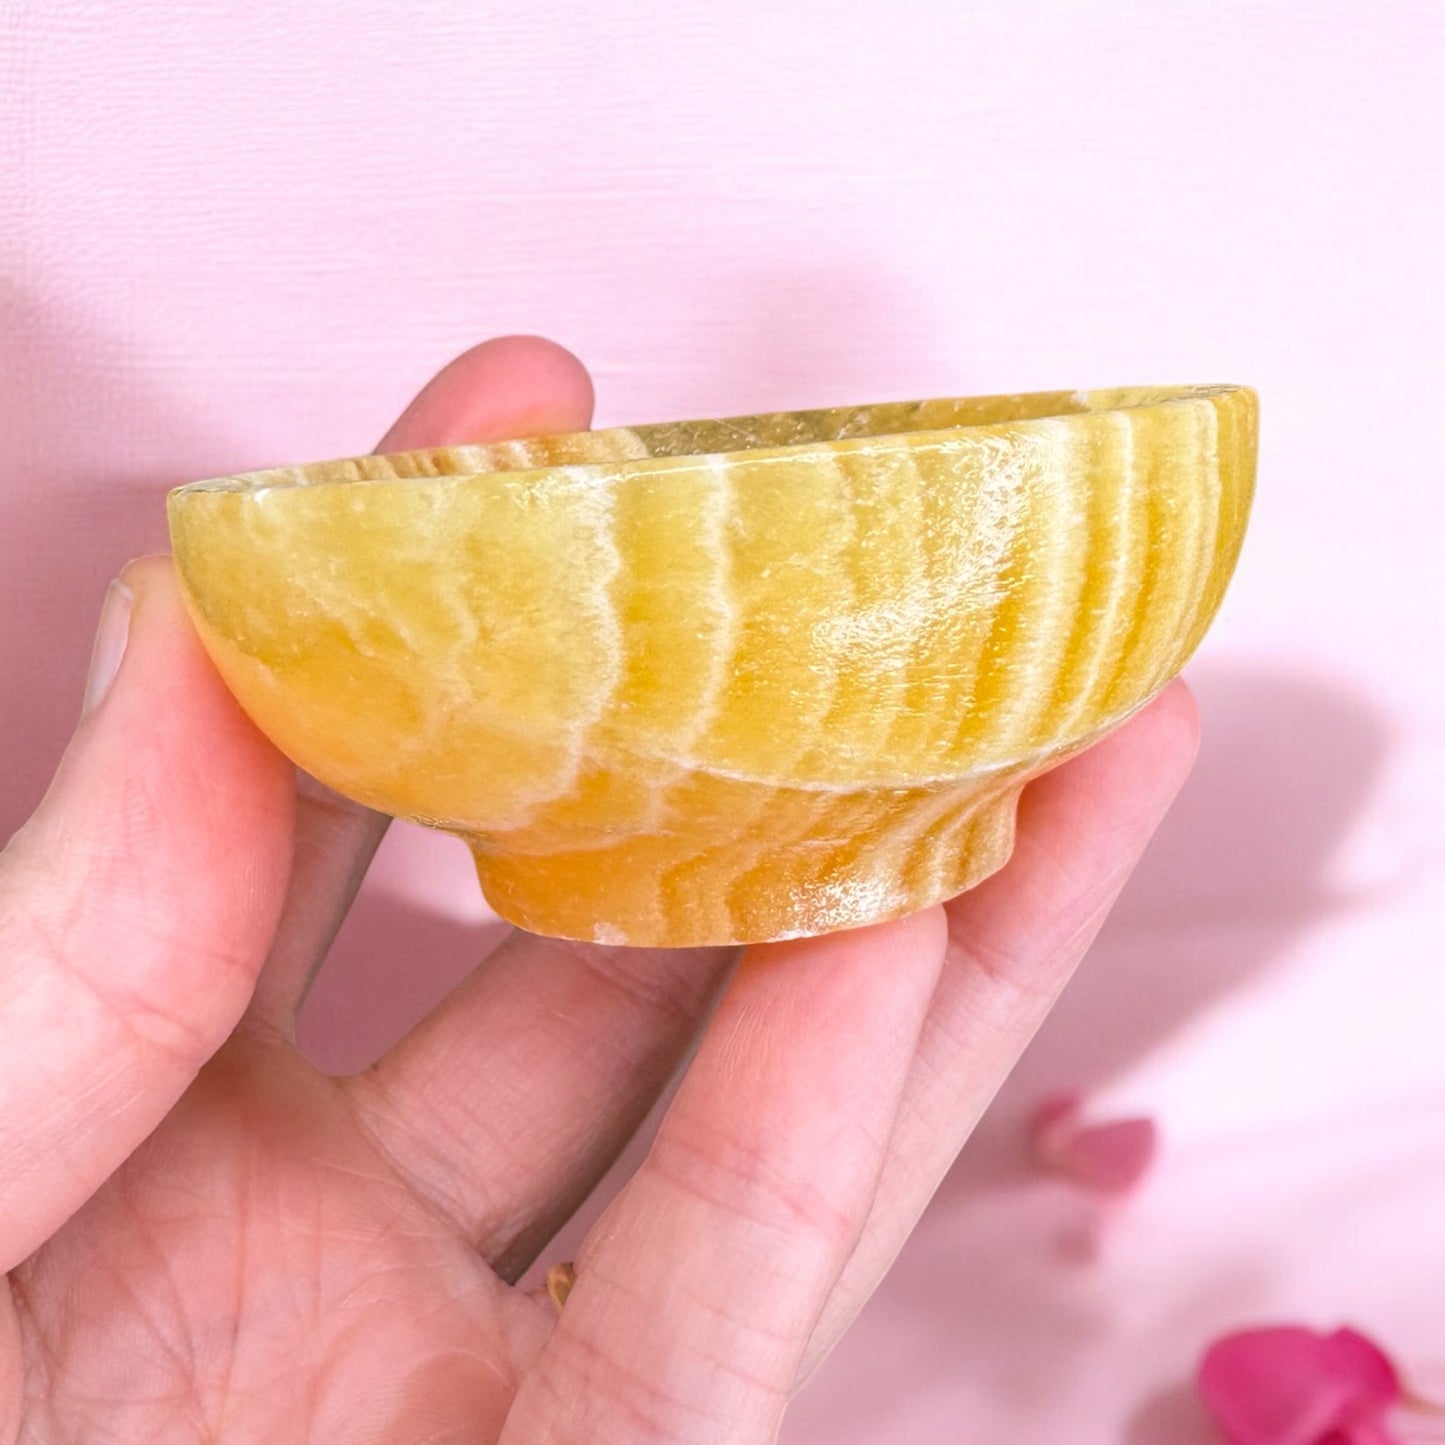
point(1288, 1385)
point(1106, 1158)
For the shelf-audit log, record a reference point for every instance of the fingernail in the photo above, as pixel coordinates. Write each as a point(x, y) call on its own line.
point(110, 640)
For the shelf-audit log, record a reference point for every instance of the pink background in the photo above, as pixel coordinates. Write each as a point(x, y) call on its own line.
point(234, 235)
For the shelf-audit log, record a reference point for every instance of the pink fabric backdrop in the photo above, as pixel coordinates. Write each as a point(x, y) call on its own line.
point(240, 235)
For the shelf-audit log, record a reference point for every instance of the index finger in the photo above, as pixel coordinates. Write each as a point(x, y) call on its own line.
point(697, 1291)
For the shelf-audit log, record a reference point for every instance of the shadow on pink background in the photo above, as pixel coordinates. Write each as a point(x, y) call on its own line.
point(1238, 872)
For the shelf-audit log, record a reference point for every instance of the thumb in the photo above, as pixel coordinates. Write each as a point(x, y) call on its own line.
point(136, 908)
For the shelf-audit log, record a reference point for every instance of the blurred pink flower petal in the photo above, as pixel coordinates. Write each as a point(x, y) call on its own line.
point(1108, 1158)
point(1288, 1385)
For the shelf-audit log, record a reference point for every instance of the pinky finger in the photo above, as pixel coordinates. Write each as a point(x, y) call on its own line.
point(697, 1292)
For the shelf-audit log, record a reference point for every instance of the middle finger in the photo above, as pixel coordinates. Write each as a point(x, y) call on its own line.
point(511, 1100)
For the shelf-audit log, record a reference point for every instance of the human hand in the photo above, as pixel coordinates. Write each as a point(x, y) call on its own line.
point(207, 1238)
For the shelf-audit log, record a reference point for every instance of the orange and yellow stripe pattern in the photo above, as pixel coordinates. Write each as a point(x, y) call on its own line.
point(718, 681)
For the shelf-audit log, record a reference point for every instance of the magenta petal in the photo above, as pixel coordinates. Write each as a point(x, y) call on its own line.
point(1292, 1386)
point(1370, 1435)
point(1353, 1355)
point(1107, 1158)
point(1360, 1435)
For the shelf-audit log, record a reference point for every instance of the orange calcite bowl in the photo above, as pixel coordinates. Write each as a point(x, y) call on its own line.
point(731, 680)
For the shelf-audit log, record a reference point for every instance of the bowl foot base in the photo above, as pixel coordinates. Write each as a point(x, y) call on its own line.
point(661, 890)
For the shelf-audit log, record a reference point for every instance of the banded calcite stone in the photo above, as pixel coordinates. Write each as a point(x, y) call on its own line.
point(728, 680)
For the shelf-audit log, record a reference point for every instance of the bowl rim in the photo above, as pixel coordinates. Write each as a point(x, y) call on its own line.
point(475, 460)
